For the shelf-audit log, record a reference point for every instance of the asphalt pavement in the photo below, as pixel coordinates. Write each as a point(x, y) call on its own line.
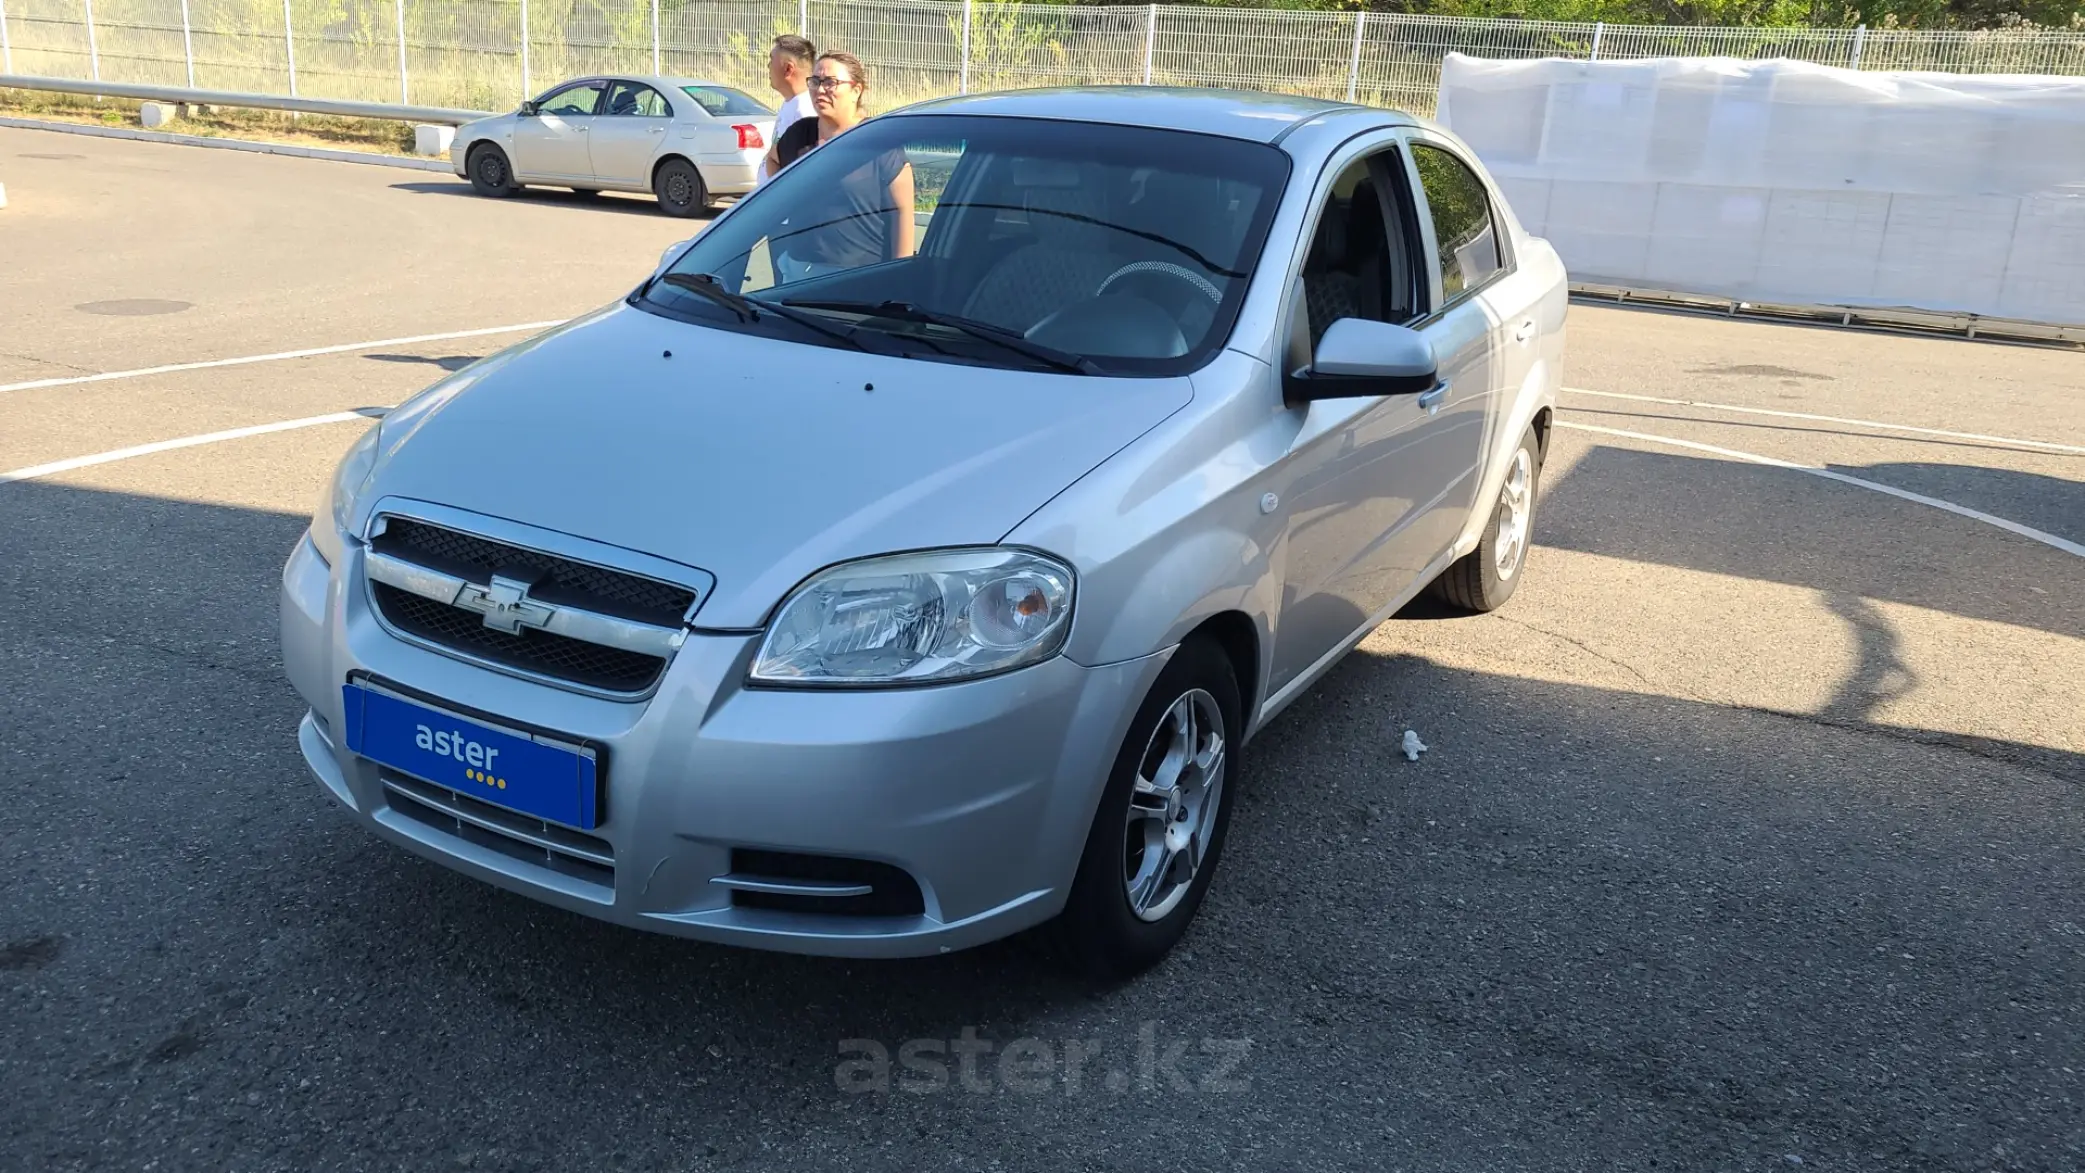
point(1748, 836)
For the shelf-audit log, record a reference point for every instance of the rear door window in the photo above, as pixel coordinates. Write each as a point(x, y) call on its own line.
point(632, 99)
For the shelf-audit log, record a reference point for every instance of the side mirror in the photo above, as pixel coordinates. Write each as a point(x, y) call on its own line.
point(1358, 358)
point(528, 108)
point(666, 257)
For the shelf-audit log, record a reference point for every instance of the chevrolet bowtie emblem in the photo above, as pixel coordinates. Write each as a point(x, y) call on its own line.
point(505, 605)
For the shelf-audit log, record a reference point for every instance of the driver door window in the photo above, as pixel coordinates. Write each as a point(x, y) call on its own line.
point(1356, 266)
point(933, 167)
point(573, 100)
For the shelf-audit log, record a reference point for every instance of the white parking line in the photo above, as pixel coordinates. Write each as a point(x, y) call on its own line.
point(58, 466)
point(1831, 419)
point(2011, 527)
point(343, 348)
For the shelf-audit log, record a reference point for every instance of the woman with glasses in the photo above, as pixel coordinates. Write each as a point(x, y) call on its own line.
point(859, 218)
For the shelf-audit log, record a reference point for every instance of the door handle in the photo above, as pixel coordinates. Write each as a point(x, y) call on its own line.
point(1431, 400)
point(656, 130)
point(1525, 332)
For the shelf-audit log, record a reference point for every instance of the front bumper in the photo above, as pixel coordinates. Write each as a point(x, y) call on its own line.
point(981, 792)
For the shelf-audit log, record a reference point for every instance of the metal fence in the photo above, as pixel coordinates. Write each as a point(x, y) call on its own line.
point(489, 53)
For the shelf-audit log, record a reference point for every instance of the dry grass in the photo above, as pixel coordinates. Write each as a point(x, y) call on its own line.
point(375, 135)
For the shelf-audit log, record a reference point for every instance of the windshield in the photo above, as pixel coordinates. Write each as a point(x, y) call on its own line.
point(725, 102)
point(1076, 247)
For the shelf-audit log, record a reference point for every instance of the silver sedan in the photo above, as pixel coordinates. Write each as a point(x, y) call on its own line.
point(902, 563)
point(685, 140)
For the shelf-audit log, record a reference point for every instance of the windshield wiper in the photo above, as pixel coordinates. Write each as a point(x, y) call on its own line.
point(749, 309)
point(905, 311)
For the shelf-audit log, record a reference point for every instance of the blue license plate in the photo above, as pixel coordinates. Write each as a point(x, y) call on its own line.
point(553, 782)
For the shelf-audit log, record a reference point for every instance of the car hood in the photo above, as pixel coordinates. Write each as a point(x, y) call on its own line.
point(485, 127)
point(759, 461)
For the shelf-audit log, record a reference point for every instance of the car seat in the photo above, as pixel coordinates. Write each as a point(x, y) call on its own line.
point(1344, 275)
point(1069, 257)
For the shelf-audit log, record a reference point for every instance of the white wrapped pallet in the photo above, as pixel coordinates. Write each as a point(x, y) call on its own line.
point(1783, 182)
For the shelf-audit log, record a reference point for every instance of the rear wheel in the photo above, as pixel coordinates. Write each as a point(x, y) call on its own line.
point(1487, 576)
point(679, 187)
point(491, 174)
point(1159, 830)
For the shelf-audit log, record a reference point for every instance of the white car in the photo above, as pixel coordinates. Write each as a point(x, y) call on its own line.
point(684, 140)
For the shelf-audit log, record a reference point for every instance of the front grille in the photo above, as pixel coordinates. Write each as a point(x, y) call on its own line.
point(593, 665)
point(551, 579)
point(895, 893)
point(556, 580)
point(530, 840)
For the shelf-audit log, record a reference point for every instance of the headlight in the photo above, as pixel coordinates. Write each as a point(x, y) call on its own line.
point(335, 514)
point(919, 619)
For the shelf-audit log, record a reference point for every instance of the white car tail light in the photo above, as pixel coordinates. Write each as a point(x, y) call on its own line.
point(748, 136)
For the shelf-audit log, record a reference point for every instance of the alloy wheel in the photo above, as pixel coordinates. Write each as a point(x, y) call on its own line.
point(1173, 805)
point(1516, 504)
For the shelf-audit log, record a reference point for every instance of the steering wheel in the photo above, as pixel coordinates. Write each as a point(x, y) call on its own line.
point(1169, 269)
point(1185, 295)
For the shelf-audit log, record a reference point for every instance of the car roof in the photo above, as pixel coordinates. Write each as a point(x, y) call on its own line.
point(1255, 115)
point(670, 82)
point(656, 81)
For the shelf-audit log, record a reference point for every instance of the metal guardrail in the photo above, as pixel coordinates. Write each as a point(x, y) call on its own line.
point(435, 115)
point(1901, 318)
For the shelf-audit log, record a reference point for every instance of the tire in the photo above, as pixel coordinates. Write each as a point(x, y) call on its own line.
point(680, 189)
point(1487, 576)
point(491, 175)
point(1102, 934)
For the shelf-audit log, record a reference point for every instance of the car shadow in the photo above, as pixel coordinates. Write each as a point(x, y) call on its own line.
point(450, 362)
point(622, 203)
point(2054, 505)
point(1758, 522)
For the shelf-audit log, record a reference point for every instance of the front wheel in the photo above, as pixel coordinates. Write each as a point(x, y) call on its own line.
point(1159, 829)
point(491, 174)
point(1487, 576)
point(679, 188)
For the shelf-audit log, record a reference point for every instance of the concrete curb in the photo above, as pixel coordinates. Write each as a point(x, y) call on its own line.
point(230, 144)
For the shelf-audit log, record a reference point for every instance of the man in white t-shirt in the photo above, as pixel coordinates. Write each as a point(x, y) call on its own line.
point(789, 66)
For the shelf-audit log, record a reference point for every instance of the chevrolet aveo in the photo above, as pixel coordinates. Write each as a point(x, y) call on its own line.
point(902, 564)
